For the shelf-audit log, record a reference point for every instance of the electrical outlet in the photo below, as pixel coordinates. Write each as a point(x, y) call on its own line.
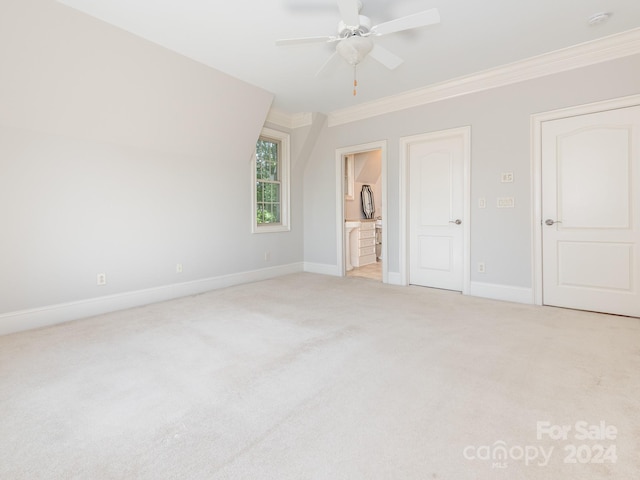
point(178, 268)
point(507, 177)
point(102, 279)
point(482, 202)
point(267, 256)
point(481, 268)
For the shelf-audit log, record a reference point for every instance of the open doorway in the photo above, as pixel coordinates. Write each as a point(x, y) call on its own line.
point(361, 212)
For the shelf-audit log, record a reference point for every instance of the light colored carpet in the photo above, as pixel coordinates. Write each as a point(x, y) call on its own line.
point(313, 377)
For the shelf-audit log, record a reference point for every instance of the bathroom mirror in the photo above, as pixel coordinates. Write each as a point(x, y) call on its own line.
point(368, 204)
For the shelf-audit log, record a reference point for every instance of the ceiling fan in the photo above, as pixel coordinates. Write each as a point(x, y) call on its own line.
point(355, 32)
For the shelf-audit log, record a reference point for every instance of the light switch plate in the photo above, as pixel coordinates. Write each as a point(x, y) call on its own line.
point(506, 177)
point(506, 202)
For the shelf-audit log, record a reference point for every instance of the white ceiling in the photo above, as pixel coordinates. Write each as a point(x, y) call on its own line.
point(237, 37)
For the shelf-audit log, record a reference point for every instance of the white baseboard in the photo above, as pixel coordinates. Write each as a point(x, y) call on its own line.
point(394, 278)
point(322, 268)
point(501, 292)
point(50, 315)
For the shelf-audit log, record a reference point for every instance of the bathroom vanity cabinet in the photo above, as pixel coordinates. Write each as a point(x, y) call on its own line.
point(366, 253)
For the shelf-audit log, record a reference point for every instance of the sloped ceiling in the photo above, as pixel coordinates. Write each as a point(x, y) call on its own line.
point(238, 38)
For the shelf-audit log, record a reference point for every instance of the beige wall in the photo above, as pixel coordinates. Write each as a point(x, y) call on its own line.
point(500, 142)
point(119, 156)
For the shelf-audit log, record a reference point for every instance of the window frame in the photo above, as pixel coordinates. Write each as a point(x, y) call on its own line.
point(284, 162)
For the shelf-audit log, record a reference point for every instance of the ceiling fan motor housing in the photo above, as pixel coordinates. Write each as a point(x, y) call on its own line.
point(345, 30)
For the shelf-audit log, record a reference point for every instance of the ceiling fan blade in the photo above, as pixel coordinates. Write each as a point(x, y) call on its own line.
point(420, 19)
point(385, 57)
point(350, 12)
point(328, 66)
point(302, 40)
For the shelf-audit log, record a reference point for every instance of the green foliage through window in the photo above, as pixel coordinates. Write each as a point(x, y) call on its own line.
point(268, 195)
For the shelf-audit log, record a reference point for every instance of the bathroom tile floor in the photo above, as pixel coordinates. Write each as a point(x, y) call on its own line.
point(373, 271)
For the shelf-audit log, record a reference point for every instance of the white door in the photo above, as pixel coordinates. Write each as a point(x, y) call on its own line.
point(591, 211)
point(436, 212)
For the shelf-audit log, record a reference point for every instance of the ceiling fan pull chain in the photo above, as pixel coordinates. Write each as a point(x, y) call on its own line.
point(355, 81)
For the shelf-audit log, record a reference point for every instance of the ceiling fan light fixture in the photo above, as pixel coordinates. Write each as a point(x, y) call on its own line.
point(354, 48)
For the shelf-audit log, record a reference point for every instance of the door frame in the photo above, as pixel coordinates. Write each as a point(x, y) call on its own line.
point(340, 250)
point(536, 174)
point(405, 144)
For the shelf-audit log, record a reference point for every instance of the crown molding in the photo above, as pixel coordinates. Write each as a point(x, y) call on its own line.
point(289, 120)
point(577, 56)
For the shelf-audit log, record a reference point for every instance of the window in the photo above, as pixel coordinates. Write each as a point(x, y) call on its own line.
point(270, 179)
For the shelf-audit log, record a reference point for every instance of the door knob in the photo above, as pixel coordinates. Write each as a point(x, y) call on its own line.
point(548, 221)
point(457, 222)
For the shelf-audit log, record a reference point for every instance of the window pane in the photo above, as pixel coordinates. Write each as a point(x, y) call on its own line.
point(260, 168)
point(273, 153)
point(275, 211)
point(269, 213)
point(267, 192)
point(260, 192)
point(273, 170)
point(260, 213)
point(266, 159)
point(270, 217)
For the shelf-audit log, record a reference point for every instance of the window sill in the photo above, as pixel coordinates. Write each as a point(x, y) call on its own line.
point(270, 228)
